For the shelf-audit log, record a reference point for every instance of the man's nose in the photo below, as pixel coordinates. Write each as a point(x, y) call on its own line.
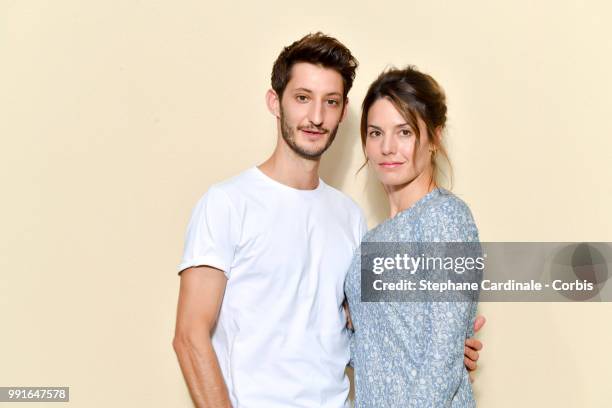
point(316, 113)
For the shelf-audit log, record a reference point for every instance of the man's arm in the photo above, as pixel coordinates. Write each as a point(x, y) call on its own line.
point(473, 346)
point(200, 297)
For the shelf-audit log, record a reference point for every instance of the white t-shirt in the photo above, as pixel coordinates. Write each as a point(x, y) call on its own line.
point(280, 338)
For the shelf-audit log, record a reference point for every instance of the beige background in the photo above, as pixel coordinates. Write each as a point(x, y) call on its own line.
point(115, 116)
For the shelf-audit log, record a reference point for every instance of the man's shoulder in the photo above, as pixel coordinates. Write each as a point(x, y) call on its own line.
point(239, 180)
point(228, 192)
point(343, 200)
point(233, 185)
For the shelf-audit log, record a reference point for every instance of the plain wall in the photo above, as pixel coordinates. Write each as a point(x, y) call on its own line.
point(116, 116)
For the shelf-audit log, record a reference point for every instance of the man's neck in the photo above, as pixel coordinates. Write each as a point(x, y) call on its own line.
point(286, 167)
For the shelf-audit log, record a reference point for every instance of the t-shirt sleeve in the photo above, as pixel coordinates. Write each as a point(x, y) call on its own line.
point(212, 233)
point(363, 225)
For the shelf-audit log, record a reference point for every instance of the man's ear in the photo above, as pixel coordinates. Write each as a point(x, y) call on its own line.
point(273, 102)
point(344, 109)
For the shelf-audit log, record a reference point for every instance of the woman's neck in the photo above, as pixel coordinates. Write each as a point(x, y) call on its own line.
point(402, 197)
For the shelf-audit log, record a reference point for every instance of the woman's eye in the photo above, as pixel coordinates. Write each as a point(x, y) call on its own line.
point(375, 133)
point(406, 132)
point(332, 102)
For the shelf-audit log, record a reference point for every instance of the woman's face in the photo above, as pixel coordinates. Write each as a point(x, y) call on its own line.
point(391, 147)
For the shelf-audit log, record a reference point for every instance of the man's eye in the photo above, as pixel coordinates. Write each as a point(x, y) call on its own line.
point(301, 98)
point(333, 102)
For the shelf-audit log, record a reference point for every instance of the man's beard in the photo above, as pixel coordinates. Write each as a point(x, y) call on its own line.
point(289, 136)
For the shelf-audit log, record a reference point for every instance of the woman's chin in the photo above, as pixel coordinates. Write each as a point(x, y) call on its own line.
point(394, 182)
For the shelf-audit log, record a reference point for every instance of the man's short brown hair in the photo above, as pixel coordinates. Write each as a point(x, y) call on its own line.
point(319, 49)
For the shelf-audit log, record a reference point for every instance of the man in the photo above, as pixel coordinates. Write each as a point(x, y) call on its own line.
point(260, 320)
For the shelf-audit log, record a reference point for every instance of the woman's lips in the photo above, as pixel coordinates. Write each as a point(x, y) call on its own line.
point(390, 165)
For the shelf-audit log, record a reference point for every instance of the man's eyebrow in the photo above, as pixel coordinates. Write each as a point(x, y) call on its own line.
point(310, 91)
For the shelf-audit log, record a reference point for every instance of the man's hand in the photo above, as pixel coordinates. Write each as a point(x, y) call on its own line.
point(472, 347)
point(349, 322)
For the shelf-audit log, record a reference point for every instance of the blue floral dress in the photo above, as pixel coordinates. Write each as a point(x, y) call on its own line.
point(410, 354)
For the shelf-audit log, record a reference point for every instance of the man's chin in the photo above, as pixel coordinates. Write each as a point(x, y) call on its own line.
point(311, 155)
point(312, 152)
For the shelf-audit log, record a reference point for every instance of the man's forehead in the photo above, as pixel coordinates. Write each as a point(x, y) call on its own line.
point(315, 78)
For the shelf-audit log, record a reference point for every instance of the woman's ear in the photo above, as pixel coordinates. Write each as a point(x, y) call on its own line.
point(438, 135)
point(273, 102)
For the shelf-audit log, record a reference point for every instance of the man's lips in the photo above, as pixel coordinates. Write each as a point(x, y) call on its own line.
point(390, 165)
point(313, 131)
point(313, 134)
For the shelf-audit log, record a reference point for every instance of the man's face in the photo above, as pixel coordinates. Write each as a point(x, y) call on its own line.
point(311, 109)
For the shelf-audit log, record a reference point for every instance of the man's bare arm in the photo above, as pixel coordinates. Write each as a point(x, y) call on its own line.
point(200, 297)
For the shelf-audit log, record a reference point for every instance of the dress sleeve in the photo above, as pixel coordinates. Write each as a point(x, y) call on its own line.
point(212, 233)
point(442, 371)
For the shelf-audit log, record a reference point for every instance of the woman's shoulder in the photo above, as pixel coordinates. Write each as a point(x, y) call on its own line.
point(447, 217)
point(444, 202)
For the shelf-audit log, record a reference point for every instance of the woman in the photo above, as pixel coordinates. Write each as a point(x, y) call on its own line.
point(410, 353)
